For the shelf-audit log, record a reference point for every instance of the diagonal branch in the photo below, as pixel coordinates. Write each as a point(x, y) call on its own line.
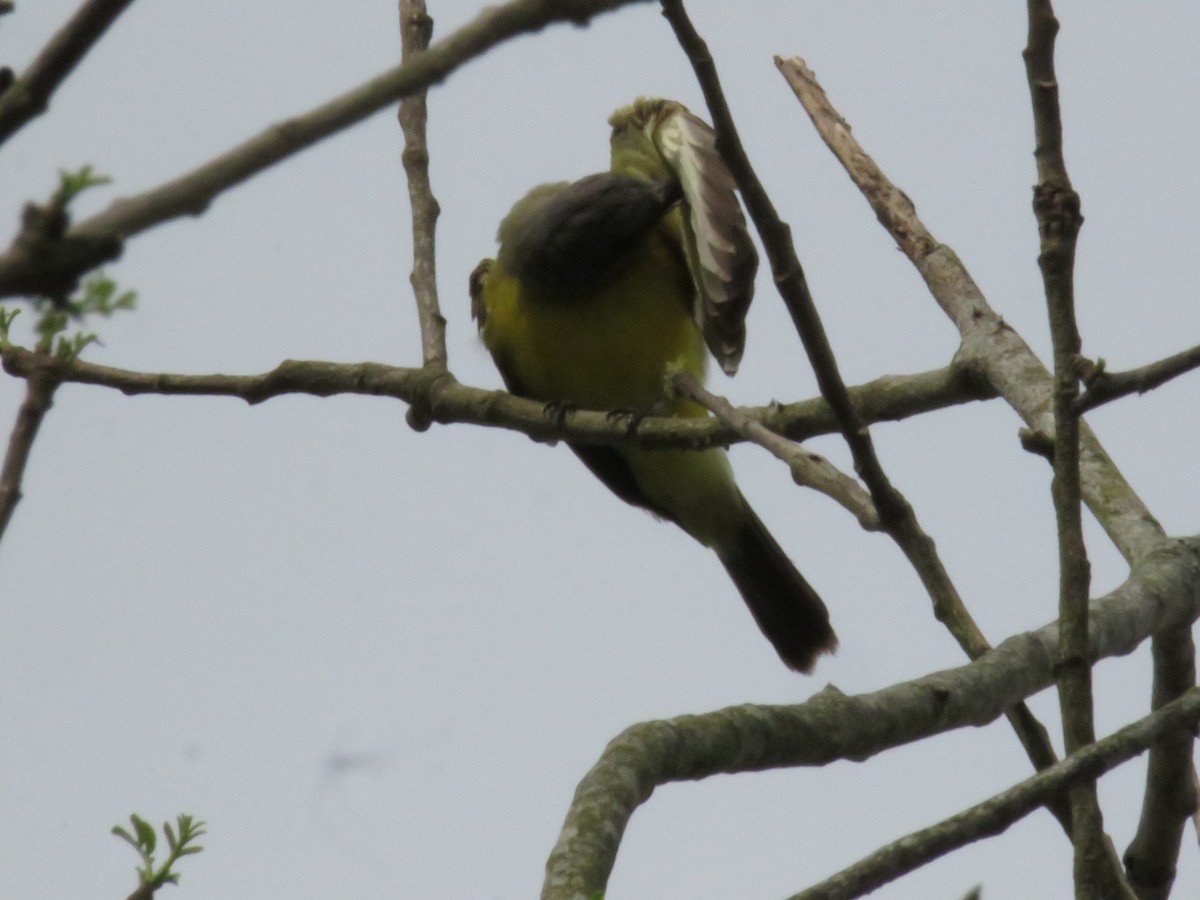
point(39, 397)
point(1103, 386)
point(1163, 591)
point(896, 515)
point(29, 95)
point(990, 347)
point(807, 468)
point(786, 268)
point(190, 194)
point(991, 817)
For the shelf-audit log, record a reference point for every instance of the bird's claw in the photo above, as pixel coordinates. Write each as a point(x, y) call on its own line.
point(634, 416)
point(558, 410)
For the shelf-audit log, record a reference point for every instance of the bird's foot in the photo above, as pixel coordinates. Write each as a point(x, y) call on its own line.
point(634, 417)
point(558, 410)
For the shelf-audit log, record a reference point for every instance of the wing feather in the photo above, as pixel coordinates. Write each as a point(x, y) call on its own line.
point(719, 251)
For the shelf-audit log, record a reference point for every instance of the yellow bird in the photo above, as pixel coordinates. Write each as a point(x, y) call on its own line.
point(600, 290)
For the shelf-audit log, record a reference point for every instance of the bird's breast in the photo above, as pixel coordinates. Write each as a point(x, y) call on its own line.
point(609, 348)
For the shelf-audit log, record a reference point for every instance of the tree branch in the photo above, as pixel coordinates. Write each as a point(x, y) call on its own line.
point(1171, 723)
point(896, 515)
point(889, 398)
point(886, 399)
point(190, 194)
point(807, 468)
point(29, 95)
point(990, 347)
point(1103, 386)
point(43, 259)
point(1170, 798)
point(1056, 204)
point(39, 397)
point(786, 269)
point(416, 28)
point(1163, 591)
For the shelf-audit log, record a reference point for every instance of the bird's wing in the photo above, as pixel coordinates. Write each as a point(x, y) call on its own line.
point(719, 251)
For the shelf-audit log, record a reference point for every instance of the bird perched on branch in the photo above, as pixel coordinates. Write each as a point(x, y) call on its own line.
point(601, 289)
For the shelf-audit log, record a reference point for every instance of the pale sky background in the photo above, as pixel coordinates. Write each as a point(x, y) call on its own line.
point(377, 662)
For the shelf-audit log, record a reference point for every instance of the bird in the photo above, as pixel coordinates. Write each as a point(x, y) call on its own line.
point(604, 287)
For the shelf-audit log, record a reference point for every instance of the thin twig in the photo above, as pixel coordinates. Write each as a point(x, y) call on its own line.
point(416, 28)
point(29, 95)
point(1104, 386)
point(190, 194)
point(888, 398)
point(1056, 204)
point(897, 517)
point(807, 468)
point(39, 397)
point(785, 266)
point(994, 815)
point(1163, 591)
point(895, 513)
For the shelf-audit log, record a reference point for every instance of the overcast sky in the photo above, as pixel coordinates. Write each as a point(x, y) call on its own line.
point(377, 662)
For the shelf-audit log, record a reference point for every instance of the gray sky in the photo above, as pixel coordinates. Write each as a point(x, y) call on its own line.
point(377, 662)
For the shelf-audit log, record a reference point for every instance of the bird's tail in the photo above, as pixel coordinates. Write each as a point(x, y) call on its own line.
point(785, 606)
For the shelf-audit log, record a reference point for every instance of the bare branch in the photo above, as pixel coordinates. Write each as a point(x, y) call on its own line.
point(807, 468)
point(896, 515)
point(29, 95)
point(1097, 873)
point(993, 816)
point(1103, 386)
point(785, 267)
point(190, 194)
point(993, 350)
point(416, 28)
point(39, 397)
point(1163, 591)
point(1170, 798)
point(888, 398)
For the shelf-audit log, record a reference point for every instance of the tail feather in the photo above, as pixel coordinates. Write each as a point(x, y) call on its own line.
point(785, 606)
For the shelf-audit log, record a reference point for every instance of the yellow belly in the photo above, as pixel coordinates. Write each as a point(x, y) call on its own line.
point(610, 349)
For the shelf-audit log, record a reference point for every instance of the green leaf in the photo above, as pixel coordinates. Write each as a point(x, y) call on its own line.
point(145, 833)
point(6, 320)
point(72, 184)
